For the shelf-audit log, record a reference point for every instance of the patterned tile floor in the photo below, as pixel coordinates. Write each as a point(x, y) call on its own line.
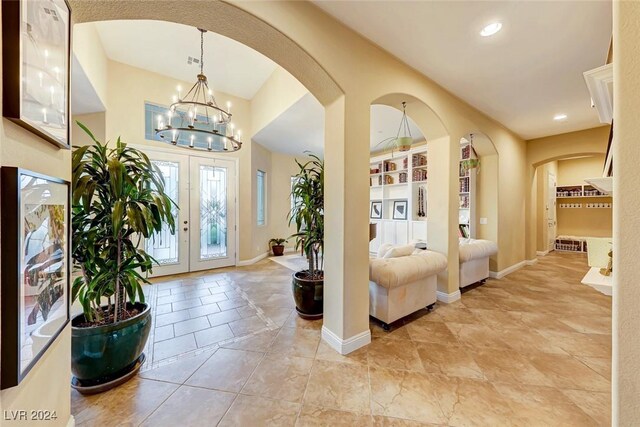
point(531, 349)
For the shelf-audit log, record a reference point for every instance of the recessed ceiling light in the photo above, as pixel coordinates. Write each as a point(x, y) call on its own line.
point(560, 117)
point(491, 29)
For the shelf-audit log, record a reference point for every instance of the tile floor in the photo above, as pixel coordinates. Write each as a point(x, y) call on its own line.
point(531, 349)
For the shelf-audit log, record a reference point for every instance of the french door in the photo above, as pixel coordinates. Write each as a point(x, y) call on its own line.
point(203, 190)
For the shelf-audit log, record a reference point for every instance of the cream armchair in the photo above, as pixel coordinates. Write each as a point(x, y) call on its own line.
point(402, 282)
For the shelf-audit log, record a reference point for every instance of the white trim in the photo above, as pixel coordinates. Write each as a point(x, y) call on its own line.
point(531, 261)
point(253, 260)
point(542, 253)
point(448, 298)
point(346, 346)
point(71, 422)
point(515, 267)
point(600, 84)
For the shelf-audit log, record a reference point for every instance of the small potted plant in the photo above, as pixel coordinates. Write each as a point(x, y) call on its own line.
point(277, 246)
point(307, 214)
point(118, 199)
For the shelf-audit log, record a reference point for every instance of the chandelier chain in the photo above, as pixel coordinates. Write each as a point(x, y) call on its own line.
point(201, 52)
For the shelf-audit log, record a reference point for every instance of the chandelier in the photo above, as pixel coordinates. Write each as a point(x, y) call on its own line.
point(402, 143)
point(196, 121)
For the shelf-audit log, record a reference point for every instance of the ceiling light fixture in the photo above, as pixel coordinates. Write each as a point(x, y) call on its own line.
point(402, 143)
point(559, 117)
point(491, 29)
point(196, 121)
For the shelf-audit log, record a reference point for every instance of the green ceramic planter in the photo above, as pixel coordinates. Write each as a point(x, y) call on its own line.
point(102, 353)
point(404, 143)
point(308, 295)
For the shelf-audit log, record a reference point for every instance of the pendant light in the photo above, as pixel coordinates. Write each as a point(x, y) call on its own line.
point(196, 121)
point(401, 143)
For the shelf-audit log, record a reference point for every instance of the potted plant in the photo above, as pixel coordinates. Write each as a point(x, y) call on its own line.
point(308, 215)
point(277, 246)
point(118, 199)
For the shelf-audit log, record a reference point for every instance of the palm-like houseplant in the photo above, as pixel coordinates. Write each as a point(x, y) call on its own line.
point(307, 214)
point(118, 199)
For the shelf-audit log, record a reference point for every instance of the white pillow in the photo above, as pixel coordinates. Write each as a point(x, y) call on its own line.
point(383, 249)
point(398, 251)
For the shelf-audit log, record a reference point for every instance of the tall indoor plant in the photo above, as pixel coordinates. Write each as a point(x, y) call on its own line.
point(307, 214)
point(118, 199)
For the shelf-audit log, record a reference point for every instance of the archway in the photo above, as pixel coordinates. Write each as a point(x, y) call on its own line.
point(346, 312)
point(441, 190)
point(479, 208)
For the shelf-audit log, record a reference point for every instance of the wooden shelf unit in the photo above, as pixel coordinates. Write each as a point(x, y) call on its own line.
point(467, 193)
point(386, 187)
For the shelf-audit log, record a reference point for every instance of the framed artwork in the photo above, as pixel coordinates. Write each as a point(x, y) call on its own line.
point(399, 209)
point(35, 274)
point(376, 210)
point(36, 49)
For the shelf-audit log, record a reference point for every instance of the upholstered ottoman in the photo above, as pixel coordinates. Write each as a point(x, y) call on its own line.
point(474, 260)
point(401, 285)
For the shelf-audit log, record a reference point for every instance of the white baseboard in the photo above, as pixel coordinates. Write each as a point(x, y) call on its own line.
point(348, 345)
point(252, 260)
point(542, 253)
point(71, 422)
point(515, 267)
point(448, 298)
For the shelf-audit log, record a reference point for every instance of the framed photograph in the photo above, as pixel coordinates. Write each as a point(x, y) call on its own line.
point(376, 210)
point(36, 52)
point(35, 274)
point(399, 209)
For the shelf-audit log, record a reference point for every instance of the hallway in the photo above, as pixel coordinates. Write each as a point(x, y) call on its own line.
point(533, 348)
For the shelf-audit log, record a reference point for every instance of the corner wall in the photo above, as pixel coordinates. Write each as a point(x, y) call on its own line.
point(626, 221)
point(46, 387)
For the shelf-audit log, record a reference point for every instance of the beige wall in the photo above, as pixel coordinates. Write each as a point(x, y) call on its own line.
point(89, 52)
point(626, 245)
point(542, 197)
point(46, 387)
point(575, 171)
point(95, 122)
point(277, 94)
point(487, 202)
point(283, 167)
point(542, 150)
point(130, 87)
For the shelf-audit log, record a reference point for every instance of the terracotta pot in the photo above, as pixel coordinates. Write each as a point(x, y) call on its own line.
point(278, 250)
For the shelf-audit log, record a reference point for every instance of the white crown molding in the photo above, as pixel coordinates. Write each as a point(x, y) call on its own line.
point(346, 346)
point(600, 84)
point(448, 298)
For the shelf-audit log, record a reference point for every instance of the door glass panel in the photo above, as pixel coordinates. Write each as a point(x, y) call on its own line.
point(213, 212)
point(163, 246)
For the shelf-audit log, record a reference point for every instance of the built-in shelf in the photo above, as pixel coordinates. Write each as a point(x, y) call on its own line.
point(604, 184)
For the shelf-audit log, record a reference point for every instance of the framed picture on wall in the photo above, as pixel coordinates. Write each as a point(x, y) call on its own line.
point(36, 52)
point(35, 274)
point(376, 210)
point(399, 209)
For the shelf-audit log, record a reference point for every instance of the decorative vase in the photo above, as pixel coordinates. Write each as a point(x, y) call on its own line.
point(102, 354)
point(308, 296)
